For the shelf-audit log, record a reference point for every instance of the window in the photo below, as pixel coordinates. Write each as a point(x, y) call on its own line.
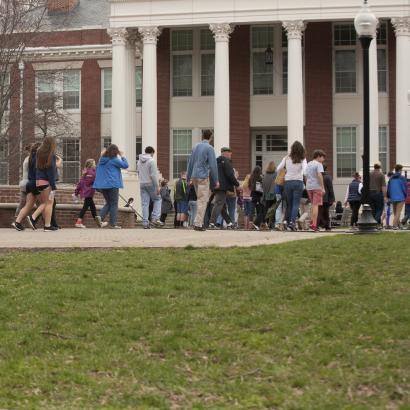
point(182, 47)
point(276, 142)
point(107, 87)
point(105, 142)
point(4, 164)
point(345, 151)
point(181, 150)
point(382, 57)
point(5, 93)
point(345, 71)
point(71, 89)
point(345, 58)
point(262, 37)
point(46, 97)
point(71, 160)
point(107, 80)
point(383, 148)
point(285, 72)
point(207, 63)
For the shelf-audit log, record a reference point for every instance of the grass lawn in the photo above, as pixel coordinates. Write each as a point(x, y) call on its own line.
point(321, 324)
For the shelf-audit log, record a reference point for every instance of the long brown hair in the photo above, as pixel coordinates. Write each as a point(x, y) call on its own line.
point(45, 152)
point(33, 151)
point(111, 152)
point(297, 152)
point(255, 176)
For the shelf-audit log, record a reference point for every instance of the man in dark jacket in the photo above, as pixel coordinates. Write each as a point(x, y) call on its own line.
point(227, 181)
point(328, 200)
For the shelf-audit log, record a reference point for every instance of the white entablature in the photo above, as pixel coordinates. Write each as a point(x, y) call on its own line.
point(132, 13)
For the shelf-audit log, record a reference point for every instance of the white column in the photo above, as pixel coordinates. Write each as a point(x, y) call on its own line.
point(120, 89)
point(294, 31)
point(149, 86)
point(402, 29)
point(221, 99)
point(374, 103)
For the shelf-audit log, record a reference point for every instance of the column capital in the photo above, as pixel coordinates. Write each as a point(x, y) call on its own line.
point(149, 34)
point(294, 28)
point(119, 36)
point(401, 26)
point(221, 31)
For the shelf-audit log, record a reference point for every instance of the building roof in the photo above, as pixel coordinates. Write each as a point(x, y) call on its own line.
point(88, 13)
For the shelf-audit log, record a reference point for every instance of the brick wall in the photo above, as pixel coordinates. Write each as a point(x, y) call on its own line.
point(90, 110)
point(60, 6)
point(70, 38)
point(163, 128)
point(239, 72)
point(29, 104)
point(318, 90)
point(392, 94)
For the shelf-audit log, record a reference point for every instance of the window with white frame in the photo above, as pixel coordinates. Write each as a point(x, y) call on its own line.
point(262, 73)
point(5, 93)
point(4, 161)
point(382, 57)
point(345, 151)
point(344, 40)
point(384, 148)
point(107, 87)
point(207, 63)
point(71, 89)
point(181, 150)
point(58, 90)
point(70, 148)
point(106, 141)
point(182, 50)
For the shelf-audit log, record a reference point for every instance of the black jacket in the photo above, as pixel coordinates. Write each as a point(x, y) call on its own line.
point(329, 196)
point(226, 175)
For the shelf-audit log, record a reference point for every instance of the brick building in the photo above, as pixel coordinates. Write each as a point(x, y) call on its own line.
point(155, 72)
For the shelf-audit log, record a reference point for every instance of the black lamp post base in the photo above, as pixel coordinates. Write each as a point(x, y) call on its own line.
point(366, 223)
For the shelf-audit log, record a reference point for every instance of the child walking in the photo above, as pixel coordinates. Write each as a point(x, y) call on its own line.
point(86, 192)
point(181, 199)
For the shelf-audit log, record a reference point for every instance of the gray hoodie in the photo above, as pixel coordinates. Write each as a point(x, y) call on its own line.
point(147, 170)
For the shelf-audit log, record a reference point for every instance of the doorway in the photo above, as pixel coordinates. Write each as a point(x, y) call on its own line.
point(269, 145)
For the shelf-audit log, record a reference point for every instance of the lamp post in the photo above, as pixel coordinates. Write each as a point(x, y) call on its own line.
point(365, 24)
point(21, 69)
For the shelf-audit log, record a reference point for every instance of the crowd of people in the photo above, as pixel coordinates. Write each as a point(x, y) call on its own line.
point(295, 195)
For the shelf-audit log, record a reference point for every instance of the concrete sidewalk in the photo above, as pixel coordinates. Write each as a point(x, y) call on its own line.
point(153, 238)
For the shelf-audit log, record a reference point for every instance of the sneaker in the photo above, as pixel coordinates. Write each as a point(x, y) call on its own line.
point(147, 227)
point(292, 227)
point(50, 229)
point(230, 226)
point(255, 227)
point(31, 222)
point(114, 227)
point(212, 226)
point(17, 226)
point(158, 224)
point(104, 224)
point(199, 228)
point(313, 228)
point(80, 225)
point(98, 221)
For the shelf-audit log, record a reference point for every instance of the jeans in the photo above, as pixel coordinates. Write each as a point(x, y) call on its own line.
point(192, 209)
point(293, 193)
point(231, 205)
point(111, 204)
point(376, 202)
point(148, 194)
point(220, 200)
point(355, 207)
point(406, 214)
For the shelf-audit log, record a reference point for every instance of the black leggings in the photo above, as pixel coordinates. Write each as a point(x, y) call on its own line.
point(88, 203)
point(355, 207)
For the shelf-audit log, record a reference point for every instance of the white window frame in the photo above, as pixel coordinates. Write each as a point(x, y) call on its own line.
point(358, 54)
point(386, 48)
point(171, 145)
point(202, 53)
point(58, 88)
point(60, 143)
point(387, 147)
point(5, 161)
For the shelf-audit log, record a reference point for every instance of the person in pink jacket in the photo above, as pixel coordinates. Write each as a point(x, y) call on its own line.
point(86, 192)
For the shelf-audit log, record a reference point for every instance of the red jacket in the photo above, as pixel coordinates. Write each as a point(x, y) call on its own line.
point(408, 193)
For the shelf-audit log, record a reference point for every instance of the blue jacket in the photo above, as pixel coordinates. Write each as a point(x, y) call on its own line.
point(397, 188)
point(202, 162)
point(48, 174)
point(109, 173)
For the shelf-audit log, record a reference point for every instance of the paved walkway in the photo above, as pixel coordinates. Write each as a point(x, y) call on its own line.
point(107, 238)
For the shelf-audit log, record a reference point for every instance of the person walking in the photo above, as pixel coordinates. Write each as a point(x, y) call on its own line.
point(85, 191)
point(255, 185)
point(24, 180)
point(108, 181)
point(149, 188)
point(227, 182)
point(192, 204)
point(268, 186)
point(315, 186)
point(181, 199)
point(46, 175)
point(248, 207)
point(377, 192)
point(328, 200)
point(166, 202)
point(407, 205)
point(397, 194)
point(354, 199)
point(295, 165)
point(203, 172)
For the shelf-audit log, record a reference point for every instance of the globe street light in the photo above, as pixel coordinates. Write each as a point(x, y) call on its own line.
point(365, 24)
